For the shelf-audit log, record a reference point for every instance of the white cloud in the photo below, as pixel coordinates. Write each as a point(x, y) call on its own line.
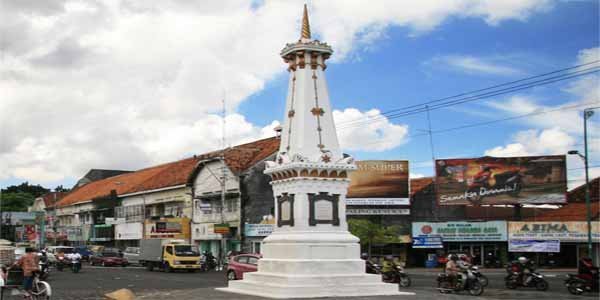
point(476, 65)
point(535, 142)
point(123, 84)
point(416, 175)
point(378, 134)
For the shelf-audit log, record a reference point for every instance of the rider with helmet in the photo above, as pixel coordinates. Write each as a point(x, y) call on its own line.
point(526, 268)
point(388, 266)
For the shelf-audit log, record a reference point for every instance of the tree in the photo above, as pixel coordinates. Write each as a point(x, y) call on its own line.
point(371, 233)
point(25, 187)
point(16, 201)
point(60, 188)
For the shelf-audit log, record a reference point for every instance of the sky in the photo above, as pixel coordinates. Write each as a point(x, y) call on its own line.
point(129, 84)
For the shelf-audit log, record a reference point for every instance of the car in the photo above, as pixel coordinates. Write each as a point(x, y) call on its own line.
point(132, 254)
point(240, 264)
point(54, 250)
point(84, 251)
point(106, 259)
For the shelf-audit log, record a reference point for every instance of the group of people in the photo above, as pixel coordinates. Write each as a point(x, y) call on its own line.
point(457, 266)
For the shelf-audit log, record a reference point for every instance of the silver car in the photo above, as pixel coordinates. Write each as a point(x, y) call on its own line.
point(132, 254)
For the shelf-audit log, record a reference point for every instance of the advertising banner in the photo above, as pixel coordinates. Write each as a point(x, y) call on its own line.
point(128, 231)
point(462, 231)
point(564, 231)
point(533, 246)
point(432, 241)
point(251, 230)
point(501, 180)
point(174, 228)
point(377, 211)
point(379, 182)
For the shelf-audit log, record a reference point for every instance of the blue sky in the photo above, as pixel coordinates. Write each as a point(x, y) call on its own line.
point(127, 95)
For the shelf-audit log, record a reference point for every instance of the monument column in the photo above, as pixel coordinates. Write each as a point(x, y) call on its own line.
point(310, 253)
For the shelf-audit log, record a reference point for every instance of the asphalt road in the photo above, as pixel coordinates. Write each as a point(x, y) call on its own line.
point(94, 282)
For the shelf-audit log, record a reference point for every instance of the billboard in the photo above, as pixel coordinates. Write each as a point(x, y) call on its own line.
point(534, 246)
point(501, 180)
point(379, 182)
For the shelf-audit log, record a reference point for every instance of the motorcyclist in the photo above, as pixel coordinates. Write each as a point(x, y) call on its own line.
point(369, 265)
point(464, 266)
point(587, 271)
point(388, 266)
point(452, 269)
point(525, 270)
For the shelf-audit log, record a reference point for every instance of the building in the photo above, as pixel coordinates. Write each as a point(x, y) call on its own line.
point(45, 204)
point(97, 174)
point(247, 196)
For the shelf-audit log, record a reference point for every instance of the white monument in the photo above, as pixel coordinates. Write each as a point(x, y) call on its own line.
point(310, 253)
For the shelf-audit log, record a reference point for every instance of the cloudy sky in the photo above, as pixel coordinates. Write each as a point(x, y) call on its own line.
point(128, 84)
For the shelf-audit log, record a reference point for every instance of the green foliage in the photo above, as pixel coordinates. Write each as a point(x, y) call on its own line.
point(25, 187)
point(18, 201)
point(372, 233)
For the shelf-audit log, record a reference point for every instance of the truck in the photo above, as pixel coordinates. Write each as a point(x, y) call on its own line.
point(169, 255)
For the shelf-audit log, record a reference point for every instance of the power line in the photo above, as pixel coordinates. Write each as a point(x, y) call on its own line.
point(512, 89)
point(485, 89)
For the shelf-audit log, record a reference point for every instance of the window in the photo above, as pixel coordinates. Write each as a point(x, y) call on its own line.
point(252, 260)
point(242, 259)
point(169, 249)
point(231, 205)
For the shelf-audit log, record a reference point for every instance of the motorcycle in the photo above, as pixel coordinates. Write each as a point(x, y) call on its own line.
point(75, 265)
point(472, 285)
point(509, 182)
point(207, 262)
point(372, 268)
point(474, 270)
point(577, 285)
point(397, 276)
point(44, 269)
point(60, 263)
point(513, 280)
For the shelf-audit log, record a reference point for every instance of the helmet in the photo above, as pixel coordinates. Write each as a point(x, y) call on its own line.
point(453, 257)
point(522, 259)
point(364, 256)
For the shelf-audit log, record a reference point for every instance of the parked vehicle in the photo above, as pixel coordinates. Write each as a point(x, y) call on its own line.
point(85, 252)
point(513, 280)
point(169, 255)
point(53, 251)
point(240, 264)
point(577, 285)
point(108, 258)
point(132, 255)
point(472, 285)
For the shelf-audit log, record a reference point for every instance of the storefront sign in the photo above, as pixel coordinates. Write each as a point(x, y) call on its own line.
point(377, 211)
point(534, 246)
point(431, 241)
point(462, 231)
point(204, 231)
point(114, 221)
point(251, 230)
point(377, 201)
point(501, 180)
point(174, 228)
point(222, 228)
point(379, 182)
point(563, 231)
point(128, 231)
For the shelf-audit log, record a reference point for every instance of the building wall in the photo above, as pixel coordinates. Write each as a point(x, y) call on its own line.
point(175, 201)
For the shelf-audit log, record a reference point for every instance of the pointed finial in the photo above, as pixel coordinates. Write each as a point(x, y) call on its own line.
point(305, 25)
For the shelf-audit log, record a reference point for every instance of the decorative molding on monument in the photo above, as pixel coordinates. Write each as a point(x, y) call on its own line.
point(333, 213)
point(302, 167)
point(286, 201)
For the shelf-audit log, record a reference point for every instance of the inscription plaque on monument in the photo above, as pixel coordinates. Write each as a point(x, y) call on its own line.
point(323, 210)
point(285, 206)
point(285, 211)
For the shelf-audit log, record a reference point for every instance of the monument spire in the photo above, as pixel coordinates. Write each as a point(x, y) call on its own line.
point(305, 25)
point(310, 252)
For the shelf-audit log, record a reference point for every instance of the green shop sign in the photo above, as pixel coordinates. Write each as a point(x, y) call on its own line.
point(462, 231)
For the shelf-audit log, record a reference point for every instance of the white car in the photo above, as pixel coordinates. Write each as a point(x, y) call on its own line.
point(54, 250)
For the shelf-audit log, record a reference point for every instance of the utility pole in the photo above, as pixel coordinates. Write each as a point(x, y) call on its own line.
point(223, 181)
point(587, 113)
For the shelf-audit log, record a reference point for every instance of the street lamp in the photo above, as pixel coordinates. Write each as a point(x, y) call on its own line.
point(587, 113)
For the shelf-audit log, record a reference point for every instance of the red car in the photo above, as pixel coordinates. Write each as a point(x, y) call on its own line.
point(106, 259)
point(240, 264)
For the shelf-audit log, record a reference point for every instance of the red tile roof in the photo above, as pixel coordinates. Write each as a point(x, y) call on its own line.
point(51, 198)
point(578, 194)
point(569, 212)
point(418, 184)
point(238, 158)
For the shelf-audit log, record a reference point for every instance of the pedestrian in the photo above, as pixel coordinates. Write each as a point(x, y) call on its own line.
point(29, 264)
